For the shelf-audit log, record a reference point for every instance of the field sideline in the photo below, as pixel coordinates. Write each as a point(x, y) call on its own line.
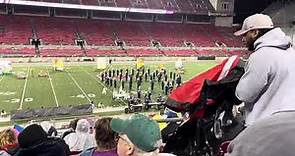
point(76, 85)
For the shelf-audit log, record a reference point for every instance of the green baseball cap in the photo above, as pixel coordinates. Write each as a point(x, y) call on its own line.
point(142, 131)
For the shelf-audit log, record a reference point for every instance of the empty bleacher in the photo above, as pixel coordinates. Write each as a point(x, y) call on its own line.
point(55, 31)
point(164, 33)
point(57, 52)
point(18, 30)
point(97, 52)
point(95, 32)
point(180, 53)
point(131, 33)
point(143, 52)
point(15, 30)
point(22, 52)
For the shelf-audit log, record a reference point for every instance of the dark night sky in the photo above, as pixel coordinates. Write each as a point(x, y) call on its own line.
point(244, 8)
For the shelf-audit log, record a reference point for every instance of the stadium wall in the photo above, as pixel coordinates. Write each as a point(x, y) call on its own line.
point(223, 5)
point(224, 21)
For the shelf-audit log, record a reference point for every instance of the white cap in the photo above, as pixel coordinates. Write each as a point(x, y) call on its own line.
point(257, 21)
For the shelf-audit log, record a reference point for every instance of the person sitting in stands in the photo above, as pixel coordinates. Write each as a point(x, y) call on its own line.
point(81, 140)
point(48, 128)
point(33, 141)
point(105, 139)
point(71, 128)
point(8, 142)
point(138, 136)
point(3, 113)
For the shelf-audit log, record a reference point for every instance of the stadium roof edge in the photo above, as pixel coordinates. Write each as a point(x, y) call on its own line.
point(86, 7)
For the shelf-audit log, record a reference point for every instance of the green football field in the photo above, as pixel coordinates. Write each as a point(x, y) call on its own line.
point(74, 86)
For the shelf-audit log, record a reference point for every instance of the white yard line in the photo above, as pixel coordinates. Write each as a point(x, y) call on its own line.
point(24, 90)
point(79, 86)
point(100, 83)
point(50, 79)
point(2, 78)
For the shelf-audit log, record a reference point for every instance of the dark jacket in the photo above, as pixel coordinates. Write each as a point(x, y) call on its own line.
point(50, 147)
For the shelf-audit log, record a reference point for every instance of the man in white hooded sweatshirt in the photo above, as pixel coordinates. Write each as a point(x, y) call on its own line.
point(268, 85)
point(268, 90)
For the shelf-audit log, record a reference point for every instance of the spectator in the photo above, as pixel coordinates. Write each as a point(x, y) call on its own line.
point(8, 142)
point(267, 85)
point(81, 139)
point(105, 140)
point(3, 113)
point(72, 128)
point(48, 128)
point(139, 136)
point(33, 141)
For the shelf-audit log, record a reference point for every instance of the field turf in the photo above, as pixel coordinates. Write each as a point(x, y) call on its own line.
point(74, 86)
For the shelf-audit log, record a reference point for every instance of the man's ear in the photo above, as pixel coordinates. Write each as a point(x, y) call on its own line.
point(130, 150)
point(255, 33)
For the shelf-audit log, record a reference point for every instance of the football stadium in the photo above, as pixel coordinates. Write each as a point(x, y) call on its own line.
point(176, 62)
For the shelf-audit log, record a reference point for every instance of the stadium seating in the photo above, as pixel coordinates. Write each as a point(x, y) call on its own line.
point(185, 6)
point(62, 31)
point(199, 35)
point(96, 52)
point(143, 53)
point(124, 3)
point(23, 52)
point(154, 4)
point(55, 30)
point(56, 52)
point(90, 2)
point(228, 38)
point(170, 5)
point(200, 6)
point(180, 53)
point(95, 32)
point(163, 33)
point(139, 3)
point(58, 31)
point(15, 30)
point(110, 3)
point(131, 33)
point(61, 52)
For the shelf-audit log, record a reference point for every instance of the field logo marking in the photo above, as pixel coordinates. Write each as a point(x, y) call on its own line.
point(16, 100)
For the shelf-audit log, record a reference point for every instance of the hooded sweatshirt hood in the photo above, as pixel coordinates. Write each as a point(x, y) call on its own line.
point(274, 38)
point(50, 147)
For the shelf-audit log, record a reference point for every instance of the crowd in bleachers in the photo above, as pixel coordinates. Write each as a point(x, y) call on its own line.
point(83, 137)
